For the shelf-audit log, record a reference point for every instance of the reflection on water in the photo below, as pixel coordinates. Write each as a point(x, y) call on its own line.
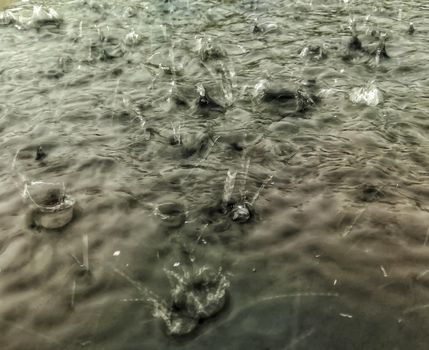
point(214, 175)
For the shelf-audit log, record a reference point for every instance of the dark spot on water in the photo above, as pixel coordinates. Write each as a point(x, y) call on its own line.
point(180, 101)
point(355, 44)
point(52, 198)
point(237, 146)
point(370, 193)
point(380, 51)
point(304, 101)
point(117, 72)
point(54, 74)
point(40, 154)
point(278, 95)
point(206, 102)
point(257, 29)
point(175, 140)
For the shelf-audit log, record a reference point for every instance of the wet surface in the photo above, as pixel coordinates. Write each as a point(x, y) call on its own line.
point(214, 175)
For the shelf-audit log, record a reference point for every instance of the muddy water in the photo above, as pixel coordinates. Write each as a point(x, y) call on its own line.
point(232, 171)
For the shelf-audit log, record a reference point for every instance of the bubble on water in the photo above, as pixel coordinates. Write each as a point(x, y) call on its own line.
point(172, 214)
point(52, 208)
point(369, 95)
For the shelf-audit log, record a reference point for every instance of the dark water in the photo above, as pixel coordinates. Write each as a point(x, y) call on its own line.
point(227, 169)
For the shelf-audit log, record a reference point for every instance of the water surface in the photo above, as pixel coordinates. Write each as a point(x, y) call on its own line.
point(99, 99)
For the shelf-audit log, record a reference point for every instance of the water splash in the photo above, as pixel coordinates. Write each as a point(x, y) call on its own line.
point(132, 39)
point(52, 207)
point(228, 82)
point(7, 18)
point(196, 294)
point(228, 187)
point(369, 95)
point(244, 177)
point(41, 16)
point(260, 189)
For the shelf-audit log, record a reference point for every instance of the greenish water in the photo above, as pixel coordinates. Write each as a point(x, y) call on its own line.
point(232, 170)
point(4, 3)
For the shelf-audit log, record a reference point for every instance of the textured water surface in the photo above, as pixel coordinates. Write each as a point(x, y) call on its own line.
point(214, 175)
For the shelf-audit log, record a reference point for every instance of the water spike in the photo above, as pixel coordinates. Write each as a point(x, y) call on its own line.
point(85, 252)
point(229, 187)
point(246, 165)
point(261, 188)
